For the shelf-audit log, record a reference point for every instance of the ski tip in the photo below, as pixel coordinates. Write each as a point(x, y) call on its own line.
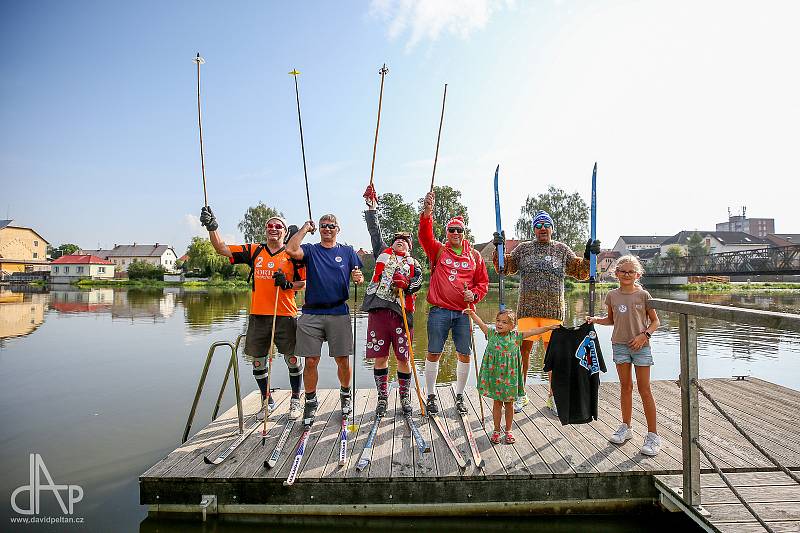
point(427, 449)
point(498, 168)
point(287, 484)
point(266, 464)
point(208, 461)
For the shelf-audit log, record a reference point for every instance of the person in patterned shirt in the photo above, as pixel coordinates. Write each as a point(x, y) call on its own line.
point(542, 265)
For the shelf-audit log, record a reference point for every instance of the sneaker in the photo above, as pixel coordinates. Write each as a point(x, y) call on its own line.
point(383, 403)
point(460, 404)
point(310, 411)
point(347, 404)
point(405, 403)
point(510, 438)
point(652, 444)
point(294, 409)
point(495, 438)
point(622, 434)
point(551, 404)
point(431, 406)
point(518, 405)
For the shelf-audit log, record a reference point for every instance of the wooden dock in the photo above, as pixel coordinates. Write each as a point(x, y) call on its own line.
point(551, 469)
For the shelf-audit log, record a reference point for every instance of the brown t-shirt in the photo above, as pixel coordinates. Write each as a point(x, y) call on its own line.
point(630, 314)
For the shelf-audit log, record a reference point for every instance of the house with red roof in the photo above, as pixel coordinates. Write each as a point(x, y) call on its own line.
point(71, 268)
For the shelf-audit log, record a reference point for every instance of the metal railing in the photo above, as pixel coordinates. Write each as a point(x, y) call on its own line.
point(232, 364)
point(782, 260)
point(690, 407)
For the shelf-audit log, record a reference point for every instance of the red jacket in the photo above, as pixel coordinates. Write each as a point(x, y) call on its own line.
point(451, 271)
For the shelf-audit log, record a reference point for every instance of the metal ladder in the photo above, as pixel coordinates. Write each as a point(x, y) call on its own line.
point(232, 364)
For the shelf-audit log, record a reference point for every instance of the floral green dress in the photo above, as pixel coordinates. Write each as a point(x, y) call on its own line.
point(501, 373)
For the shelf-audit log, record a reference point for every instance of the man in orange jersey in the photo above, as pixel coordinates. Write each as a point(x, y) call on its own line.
point(272, 270)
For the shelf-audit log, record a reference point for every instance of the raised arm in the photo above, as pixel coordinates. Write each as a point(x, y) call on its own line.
point(208, 220)
point(293, 248)
point(475, 318)
point(425, 235)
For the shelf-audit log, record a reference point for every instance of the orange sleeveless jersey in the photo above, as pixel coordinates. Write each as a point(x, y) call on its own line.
point(264, 265)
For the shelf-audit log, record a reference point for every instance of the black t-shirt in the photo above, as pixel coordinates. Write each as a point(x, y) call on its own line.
point(575, 358)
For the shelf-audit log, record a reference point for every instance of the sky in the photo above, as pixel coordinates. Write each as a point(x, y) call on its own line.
point(688, 107)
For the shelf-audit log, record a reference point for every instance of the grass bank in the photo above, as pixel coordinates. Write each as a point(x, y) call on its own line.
point(740, 287)
point(237, 284)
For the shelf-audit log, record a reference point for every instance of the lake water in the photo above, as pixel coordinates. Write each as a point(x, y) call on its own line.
point(99, 382)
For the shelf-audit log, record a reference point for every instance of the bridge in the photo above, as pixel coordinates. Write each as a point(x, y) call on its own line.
point(783, 260)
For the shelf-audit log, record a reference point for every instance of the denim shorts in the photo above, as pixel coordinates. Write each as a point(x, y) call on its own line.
point(440, 322)
point(623, 354)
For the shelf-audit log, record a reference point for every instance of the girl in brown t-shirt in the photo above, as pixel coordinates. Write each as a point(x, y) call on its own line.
point(634, 321)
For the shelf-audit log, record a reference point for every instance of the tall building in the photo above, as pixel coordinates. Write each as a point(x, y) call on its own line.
point(760, 227)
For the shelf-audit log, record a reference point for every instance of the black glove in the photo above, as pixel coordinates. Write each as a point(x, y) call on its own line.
point(592, 246)
point(281, 281)
point(207, 219)
point(290, 231)
point(498, 238)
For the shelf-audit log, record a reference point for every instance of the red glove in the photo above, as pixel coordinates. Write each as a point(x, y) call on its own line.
point(370, 194)
point(400, 280)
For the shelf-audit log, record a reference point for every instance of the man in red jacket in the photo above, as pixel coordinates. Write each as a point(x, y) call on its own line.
point(458, 279)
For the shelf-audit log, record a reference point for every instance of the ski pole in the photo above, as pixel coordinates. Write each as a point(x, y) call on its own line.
point(295, 73)
point(439, 136)
point(383, 72)
point(199, 60)
point(411, 353)
point(355, 367)
point(474, 355)
point(270, 355)
point(593, 235)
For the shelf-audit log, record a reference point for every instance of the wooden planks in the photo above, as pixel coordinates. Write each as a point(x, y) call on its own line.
point(773, 495)
point(565, 458)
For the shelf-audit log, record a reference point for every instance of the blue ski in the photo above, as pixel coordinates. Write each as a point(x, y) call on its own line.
point(366, 454)
point(593, 236)
point(501, 260)
point(419, 440)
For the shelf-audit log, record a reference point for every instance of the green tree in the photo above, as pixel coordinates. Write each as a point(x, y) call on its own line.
point(144, 270)
point(254, 224)
point(64, 249)
point(204, 257)
point(395, 215)
point(448, 205)
point(695, 245)
point(570, 216)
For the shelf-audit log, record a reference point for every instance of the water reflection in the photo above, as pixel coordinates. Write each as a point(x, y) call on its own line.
point(20, 313)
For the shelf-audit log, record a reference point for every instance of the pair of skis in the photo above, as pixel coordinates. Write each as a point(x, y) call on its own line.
point(477, 460)
point(366, 453)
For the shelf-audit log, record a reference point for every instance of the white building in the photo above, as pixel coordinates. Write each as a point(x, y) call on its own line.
point(70, 268)
point(717, 242)
point(631, 244)
point(122, 255)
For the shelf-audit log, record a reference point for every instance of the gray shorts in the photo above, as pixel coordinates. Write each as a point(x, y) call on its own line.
point(313, 330)
point(623, 354)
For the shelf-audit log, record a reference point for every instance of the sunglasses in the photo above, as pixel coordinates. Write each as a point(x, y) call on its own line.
point(626, 272)
point(540, 225)
point(274, 226)
point(327, 226)
point(455, 230)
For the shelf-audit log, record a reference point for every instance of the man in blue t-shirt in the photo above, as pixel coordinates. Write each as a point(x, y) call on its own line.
point(326, 316)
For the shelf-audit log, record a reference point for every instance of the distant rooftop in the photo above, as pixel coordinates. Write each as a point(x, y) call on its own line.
point(81, 260)
point(644, 239)
point(725, 237)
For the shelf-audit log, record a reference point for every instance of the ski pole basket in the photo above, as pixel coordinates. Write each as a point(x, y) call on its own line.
point(232, 364)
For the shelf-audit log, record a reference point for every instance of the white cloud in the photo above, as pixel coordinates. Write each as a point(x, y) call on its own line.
point(194, 225)
point(427, 19)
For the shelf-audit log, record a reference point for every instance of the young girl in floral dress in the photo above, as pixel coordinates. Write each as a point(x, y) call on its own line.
point(501, 376)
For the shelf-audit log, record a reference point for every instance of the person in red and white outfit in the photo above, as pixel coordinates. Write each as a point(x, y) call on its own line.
point(396, 273)
point(458, 280)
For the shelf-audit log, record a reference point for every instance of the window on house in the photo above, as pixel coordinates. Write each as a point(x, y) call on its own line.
point(35, 255)
point(55, 269)
point(66, 270)
point(101, 270)
point(36, 243)
point(79, 270)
